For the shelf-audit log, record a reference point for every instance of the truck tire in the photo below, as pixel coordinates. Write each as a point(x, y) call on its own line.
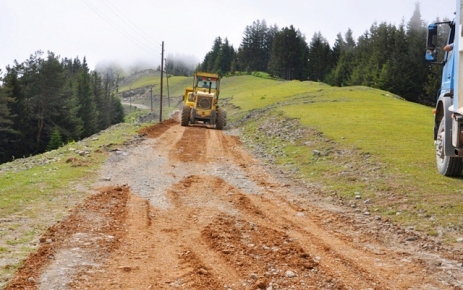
point(448, 166)
point(185, 117)
point(221, 119)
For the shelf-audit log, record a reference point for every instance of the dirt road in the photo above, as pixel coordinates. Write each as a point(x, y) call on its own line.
point(189, 208)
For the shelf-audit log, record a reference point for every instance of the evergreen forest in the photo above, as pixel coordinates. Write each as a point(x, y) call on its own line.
point(47, 101)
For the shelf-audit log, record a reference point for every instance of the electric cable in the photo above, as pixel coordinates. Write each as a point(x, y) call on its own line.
point(129, 22)
point(117, 27)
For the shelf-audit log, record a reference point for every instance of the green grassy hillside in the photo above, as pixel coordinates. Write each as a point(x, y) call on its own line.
point(176, 84)
point(355, 142)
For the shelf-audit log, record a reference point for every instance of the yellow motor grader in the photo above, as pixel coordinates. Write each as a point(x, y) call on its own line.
point(200, 103)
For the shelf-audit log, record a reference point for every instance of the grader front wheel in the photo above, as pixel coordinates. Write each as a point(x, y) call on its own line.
point(185, 116)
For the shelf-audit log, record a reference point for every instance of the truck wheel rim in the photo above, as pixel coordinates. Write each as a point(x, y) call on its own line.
point(440, 146)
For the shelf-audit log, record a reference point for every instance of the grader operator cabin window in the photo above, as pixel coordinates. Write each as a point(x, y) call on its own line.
point(205, 82)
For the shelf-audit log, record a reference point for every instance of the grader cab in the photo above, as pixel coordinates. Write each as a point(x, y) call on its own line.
point(200, 103)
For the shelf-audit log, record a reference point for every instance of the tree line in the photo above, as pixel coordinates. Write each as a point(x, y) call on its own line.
point(47, 101)
point(386, 57)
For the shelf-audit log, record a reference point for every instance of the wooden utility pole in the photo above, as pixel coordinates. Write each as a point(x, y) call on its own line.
point(162, 74)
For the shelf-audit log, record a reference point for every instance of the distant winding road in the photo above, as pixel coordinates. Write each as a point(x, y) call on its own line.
point(140, 106)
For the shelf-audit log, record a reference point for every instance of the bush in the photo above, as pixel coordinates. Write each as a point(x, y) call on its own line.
point(261, 74)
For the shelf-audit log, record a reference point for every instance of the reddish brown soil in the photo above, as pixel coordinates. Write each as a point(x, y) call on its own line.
point(217, 235)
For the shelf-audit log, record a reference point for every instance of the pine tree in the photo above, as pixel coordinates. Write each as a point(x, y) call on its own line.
point(335, 54)
point(5, 116)
point(87, 111)
point(50, 101)
point(24, 105)
point(256, 46)
point(417, 74)
point(362, 72)
point(70, 125)
point(223, 60)
point(289, 55)
point(392, 76)
point(345, 65)
point(5, 124)
point(55, 140)
point(101, 102)
point(319, 58)
point(117, 111)
point(214, 53)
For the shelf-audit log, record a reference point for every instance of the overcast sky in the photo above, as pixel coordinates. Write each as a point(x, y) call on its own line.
point(129, 31)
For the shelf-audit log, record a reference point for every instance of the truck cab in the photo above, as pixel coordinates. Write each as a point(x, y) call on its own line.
point(448, 113)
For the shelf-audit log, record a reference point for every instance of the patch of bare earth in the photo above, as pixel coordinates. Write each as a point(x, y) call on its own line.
point(188, 208)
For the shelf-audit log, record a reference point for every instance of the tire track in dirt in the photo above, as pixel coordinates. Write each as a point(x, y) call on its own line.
point(191, 146)
point(167, 252)
point(337, 260)
point(76, 244)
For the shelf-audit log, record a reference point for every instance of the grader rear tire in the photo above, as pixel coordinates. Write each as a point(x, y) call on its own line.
point(221, 119)
point(185, 116)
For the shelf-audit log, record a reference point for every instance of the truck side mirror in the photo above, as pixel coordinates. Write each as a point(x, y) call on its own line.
point(431, 42)
point(430, 55)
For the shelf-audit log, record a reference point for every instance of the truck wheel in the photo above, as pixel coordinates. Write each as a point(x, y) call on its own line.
point(221, 119)
point(448, 166)
point(185, 116)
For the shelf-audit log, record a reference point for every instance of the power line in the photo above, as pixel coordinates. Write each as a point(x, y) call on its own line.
point(117, 27)
point(127, 21)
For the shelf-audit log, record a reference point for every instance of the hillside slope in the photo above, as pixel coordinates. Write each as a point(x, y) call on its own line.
point(353, 141)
